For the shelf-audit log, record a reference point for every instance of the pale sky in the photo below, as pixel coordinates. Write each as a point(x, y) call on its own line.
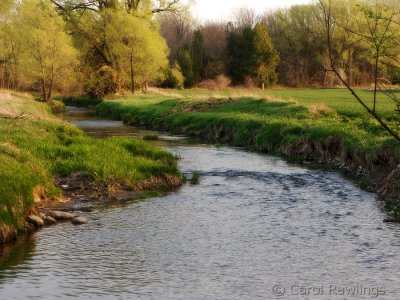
point(221, 10)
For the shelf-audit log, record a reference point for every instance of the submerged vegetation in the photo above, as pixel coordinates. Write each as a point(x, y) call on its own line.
point(37, 149)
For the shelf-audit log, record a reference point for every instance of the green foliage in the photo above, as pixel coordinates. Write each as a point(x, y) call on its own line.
point(47, 52)
point(240, 51)
point(266, 57)
point(198, 56)
point(139, 51)
point(57, 106)
point(251, 54)
point(79, 101)
point(151, 137)
point(195, 179)
point(5, 6)
point(35, 150)
point(186, 64)
point(173, 77)
point(257, 123)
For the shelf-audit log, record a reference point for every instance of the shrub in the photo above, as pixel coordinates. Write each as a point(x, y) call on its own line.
point(219, 83)
point(173, 77)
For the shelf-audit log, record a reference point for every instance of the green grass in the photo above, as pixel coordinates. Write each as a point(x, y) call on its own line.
point(36, 149)
point(79, 101)
point(323, 125)
point(260, 123)
point(195, 179)
point(151, 137)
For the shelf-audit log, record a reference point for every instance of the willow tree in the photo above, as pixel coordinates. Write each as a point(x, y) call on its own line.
point(130, 6)
point(5, 6)
point(8, 46)
point(47, 53)
point(117, 39)
point(138, 49)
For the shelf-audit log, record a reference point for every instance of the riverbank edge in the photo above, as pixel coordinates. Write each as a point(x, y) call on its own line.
point(375, 172)
point(47, 208)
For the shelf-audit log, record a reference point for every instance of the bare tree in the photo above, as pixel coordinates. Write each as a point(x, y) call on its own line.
point(379, 36)
point(214, 39)
point(245, 18)
point(177, 29)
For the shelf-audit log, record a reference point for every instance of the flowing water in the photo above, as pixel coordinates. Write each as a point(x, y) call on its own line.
point(254, 228)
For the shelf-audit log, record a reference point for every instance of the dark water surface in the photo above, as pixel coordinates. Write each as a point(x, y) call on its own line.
point(253, 223)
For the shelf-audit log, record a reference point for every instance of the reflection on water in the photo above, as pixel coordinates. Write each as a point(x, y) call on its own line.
point(252, 223)
point(14, 255)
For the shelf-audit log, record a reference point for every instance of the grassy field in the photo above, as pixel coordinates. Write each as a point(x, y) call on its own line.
point(36, 147)
point(338, 99)
point(317, 125)
point(261, 119)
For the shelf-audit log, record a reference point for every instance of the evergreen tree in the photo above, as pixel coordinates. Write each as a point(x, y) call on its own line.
point(198, 56)
point(240, 54)
point(186, 64)
point(251, 53)
point(265, 57)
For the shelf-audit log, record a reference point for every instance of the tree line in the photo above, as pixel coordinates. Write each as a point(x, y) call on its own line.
point(98, 47)
point(103, 47)
point(294, 46)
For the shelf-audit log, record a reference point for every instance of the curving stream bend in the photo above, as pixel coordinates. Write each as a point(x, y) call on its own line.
point(254, 228)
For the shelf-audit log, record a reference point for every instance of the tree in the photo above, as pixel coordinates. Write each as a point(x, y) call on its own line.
point(382, 34)
point(251, 54)
point(47, 54)
point(130, 6)
point(186, 65)
point(177, 30)
point(139, 52)
point(198, 55)
point(5, 6)
point(173, 77)
point(9, 48)
point(245, 18)
point(240, 54)
point(266, 57)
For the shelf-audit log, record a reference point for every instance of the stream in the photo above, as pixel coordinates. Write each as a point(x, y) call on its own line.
point(255, 227)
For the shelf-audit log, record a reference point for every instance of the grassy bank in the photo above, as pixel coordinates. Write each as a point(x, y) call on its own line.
point(78, 101)
point(37, 148)
point(324, 126)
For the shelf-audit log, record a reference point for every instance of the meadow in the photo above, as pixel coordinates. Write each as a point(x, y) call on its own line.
point(283, 115)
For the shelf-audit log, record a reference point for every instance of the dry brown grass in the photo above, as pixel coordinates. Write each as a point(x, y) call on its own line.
point(219, 83)
point(15, 106)
point(319, 109)
point(165, 92)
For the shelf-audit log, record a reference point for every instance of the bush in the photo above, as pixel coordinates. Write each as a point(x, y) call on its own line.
point(103, 82)
point(219, 83)
point(173, 78)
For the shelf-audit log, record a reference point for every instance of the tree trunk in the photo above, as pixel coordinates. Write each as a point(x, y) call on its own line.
point(49, 92)
point(43, 87)
point(144, 87)
point(132, 77)
point(350, 67)
point(376, 74)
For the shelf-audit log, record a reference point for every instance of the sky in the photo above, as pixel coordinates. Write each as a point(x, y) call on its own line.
point(221, 10)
